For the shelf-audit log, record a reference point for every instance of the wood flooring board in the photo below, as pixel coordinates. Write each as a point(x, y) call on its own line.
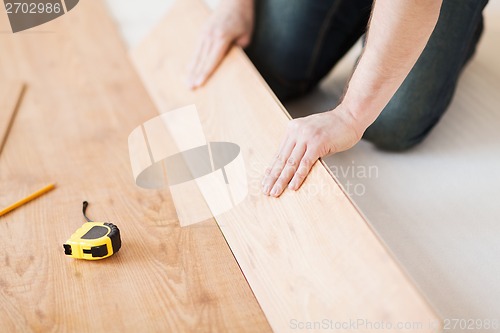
point(83, 100)
point(11, 94)
point(308, 255)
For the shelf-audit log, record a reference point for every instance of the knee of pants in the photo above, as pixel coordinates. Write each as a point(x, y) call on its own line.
point(285, 89)
point(400, 128)
point(395, 141)
point(283, 79)
point(282, 45)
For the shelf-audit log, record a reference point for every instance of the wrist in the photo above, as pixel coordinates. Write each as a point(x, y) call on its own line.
point(349, 119)
point(363, 109)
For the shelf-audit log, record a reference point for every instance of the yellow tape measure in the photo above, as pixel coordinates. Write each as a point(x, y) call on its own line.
point(94, 240)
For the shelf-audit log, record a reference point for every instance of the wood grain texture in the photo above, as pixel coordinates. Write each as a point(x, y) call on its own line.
point(11, 94)
point(308, 255)
point(83, 100)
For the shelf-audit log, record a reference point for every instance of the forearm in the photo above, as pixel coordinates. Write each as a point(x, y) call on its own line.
point(398, 33)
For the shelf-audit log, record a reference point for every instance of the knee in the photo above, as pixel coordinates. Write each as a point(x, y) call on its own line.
point(285, 80)
point(395, 142)
point(280, 49)
point(399, 132)
point(409, 117)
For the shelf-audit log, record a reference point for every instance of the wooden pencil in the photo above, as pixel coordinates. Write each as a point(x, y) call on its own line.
point(27, 199)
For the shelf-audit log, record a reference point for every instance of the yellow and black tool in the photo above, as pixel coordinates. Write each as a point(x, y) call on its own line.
point(94, 240)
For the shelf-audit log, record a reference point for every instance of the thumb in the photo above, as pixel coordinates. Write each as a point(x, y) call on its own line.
point(243, 41)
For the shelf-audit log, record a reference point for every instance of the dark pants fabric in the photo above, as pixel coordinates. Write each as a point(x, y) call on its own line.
point(297, 42)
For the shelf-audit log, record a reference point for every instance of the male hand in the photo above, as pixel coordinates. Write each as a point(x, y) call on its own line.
point(307, 140)
point(232, 22)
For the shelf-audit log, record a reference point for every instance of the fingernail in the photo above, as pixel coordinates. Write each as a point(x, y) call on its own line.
point(274, 192)
point(265, 190)
point(198, 82)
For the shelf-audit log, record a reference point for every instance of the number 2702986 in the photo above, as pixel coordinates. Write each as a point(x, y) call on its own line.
point(471, 324)
point(32, 8)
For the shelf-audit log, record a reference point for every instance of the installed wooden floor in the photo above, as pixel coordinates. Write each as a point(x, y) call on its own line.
point(308, 255)
point(83, 98)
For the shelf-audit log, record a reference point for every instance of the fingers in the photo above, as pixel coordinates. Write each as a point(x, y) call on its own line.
point(308, 139)
point(197, 61)
point(207, 57)
point(277, 166)
point(215, 55)
point(289, 169)
point(243, 41)
point(310, 157)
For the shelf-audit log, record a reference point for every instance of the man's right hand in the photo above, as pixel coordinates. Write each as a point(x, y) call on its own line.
point(232, 22)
